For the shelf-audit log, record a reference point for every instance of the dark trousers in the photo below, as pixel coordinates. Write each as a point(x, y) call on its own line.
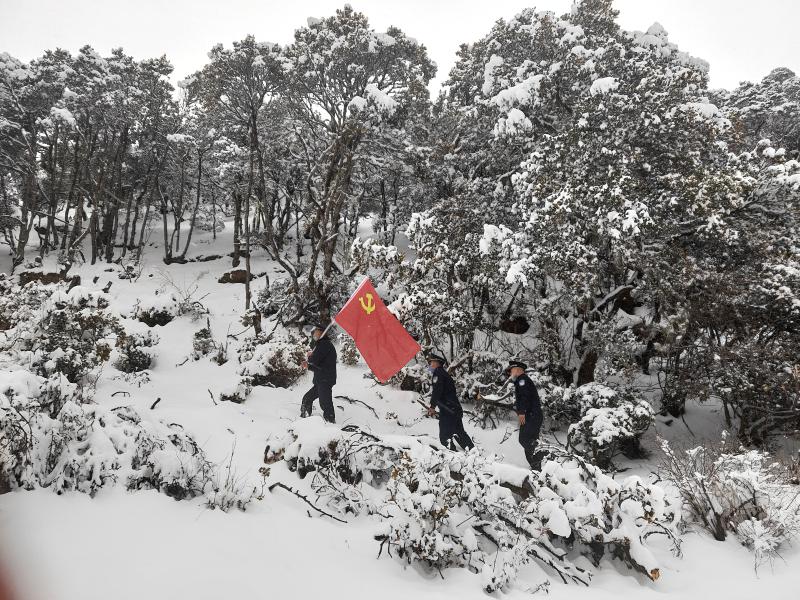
point(452, 434)
point(323, 391)
point(529, 439)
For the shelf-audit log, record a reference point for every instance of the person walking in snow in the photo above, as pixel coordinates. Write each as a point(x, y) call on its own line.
point(322, 362)
point(445, 398)
point(529, 412)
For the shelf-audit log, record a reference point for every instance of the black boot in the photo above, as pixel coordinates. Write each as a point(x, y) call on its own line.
point(307, 403)
point(305, 409)
point(533, 457)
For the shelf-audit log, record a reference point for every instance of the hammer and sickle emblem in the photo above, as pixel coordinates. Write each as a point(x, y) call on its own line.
point(369, 305)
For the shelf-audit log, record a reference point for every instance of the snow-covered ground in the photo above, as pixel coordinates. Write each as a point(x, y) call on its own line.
point(122, 545)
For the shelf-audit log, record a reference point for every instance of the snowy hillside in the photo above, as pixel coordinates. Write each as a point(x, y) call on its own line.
point(123, 544)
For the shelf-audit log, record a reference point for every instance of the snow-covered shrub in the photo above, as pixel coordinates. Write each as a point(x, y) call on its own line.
point(341, 461)
point(476, 373)
point(436, 499)
point(85, 446)
point(71, 332)
point(603, 421)
point(271, 299)
point(744, 492)
point(131, 272)
point(21, 304)
point(49, 439)
point(202, 342)
point(157, 310)
point(181, 300)
point(135, 351)
point(23, 395)
point(348, 353)
point(236, 392)
point(445, 509)
point(273, 361)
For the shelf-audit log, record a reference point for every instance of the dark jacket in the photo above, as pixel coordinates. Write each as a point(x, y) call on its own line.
point(444, 394)
point(527, 398)
point(323, 362)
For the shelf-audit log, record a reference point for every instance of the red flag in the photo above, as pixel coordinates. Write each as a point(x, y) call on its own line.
point(383, 342)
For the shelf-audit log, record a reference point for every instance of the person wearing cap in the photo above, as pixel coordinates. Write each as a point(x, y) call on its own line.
point(529, 412)
point(322, 362)
point(445, 398)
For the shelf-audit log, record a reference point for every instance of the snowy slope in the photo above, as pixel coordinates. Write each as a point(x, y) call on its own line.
point(123, 545)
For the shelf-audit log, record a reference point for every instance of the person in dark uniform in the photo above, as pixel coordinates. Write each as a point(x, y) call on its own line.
point(529, 412)
point(445, 398)
point(322, 362)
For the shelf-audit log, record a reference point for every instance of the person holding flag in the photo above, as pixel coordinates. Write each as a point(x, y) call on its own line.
point(445, 398)
point(383, 342)
point(322, 362)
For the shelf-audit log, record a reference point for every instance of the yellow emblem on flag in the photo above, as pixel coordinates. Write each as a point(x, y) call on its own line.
point(369, 305)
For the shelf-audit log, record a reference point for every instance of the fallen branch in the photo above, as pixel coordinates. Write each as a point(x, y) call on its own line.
point(152, 406)
point(356, 401)
point(306, 500)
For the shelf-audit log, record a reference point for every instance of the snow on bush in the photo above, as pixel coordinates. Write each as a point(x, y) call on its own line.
point(602, 421)
point(69, 332)
point(273, 361)
point(159, 309)
point(135, 351)
point(444, 509)
point(20, 304)
point(203, 342)
point(348, 353)
point(49, 439)
point(477, 372)
point(744, 492)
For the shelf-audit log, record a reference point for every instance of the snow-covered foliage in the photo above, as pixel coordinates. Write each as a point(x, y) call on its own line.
point(202, 342)
point(768, 109)
point(50, 439)
point(53, 436)
point(273, 361)
point(135, 351)
point(744, 492)
point(348, 352)
point(439, 292)
point(157, 310)
point(601, 421)
point(58, 331)
point(446, 509)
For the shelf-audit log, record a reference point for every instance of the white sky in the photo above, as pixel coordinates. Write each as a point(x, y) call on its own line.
point(742, 39)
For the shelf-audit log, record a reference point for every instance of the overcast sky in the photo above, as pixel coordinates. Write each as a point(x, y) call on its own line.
point(742, 39)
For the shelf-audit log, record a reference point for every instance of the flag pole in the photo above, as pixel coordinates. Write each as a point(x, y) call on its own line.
point(328, 327)
point(333, 320)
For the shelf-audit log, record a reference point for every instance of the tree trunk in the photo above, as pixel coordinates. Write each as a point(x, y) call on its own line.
point(196, 203)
